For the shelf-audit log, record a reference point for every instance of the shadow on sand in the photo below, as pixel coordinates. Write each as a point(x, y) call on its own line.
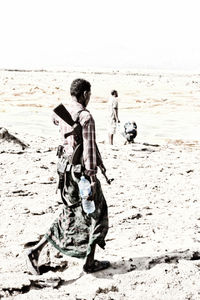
point(137, 263)
point(146, 263)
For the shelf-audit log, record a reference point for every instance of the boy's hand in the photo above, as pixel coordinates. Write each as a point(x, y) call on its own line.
point(93, 187)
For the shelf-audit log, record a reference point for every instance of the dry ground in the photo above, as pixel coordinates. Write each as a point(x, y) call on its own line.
point(153, 240)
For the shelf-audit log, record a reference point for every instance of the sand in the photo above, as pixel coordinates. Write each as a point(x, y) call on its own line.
point(153, 239)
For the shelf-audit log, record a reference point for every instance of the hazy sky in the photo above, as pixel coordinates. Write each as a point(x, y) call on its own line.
point(100, 33)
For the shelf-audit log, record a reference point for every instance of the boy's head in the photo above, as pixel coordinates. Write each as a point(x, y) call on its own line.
point(81, 90)
point(114, 93)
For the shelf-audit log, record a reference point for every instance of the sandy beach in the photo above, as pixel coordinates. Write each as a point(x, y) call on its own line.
point(154, 216)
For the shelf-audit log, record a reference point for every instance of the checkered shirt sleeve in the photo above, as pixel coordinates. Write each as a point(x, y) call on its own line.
point(89, 143)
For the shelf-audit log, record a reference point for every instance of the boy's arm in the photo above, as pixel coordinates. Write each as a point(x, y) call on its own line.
point(90, 153)
point(115, 110)
point(89, 145)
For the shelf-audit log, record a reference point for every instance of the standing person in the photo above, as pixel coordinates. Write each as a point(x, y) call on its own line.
point(75, 233)
point(113, 116)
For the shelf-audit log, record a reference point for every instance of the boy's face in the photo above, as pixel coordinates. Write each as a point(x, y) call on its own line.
point(87, 96)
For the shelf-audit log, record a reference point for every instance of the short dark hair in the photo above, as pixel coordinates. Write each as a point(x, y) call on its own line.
point(114, 93)
point(79, 86)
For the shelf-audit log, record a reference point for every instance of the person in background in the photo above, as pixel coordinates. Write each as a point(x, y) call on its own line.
point(113, 118)
point(74, 232)
point(129, 131)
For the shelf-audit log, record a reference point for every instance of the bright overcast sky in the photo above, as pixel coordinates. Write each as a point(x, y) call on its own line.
point(144, 34)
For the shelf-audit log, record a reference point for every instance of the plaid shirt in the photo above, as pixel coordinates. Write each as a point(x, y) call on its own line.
point(88, 132)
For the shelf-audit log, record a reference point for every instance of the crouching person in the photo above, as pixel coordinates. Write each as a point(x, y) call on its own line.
point(74, 232)
point(129, 132)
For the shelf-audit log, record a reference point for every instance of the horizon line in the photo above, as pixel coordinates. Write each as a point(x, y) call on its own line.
point(102, 70)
